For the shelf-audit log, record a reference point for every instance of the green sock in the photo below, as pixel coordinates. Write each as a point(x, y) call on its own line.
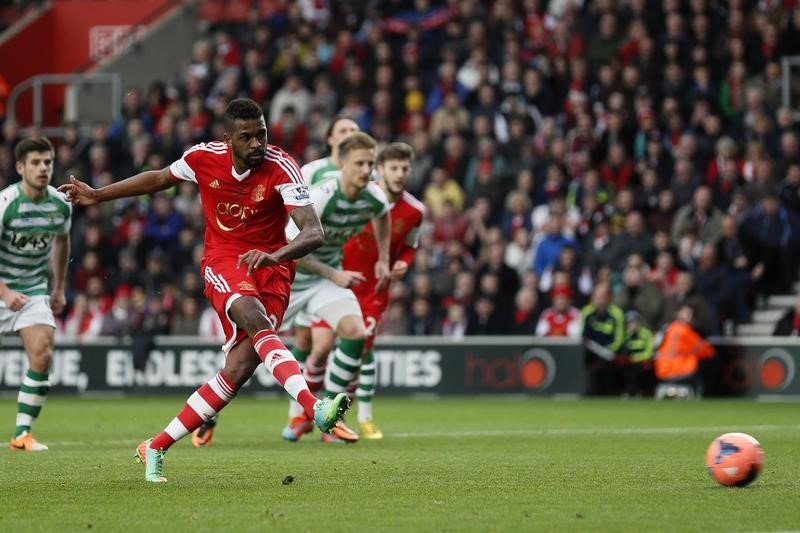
point(366, 387)
point(300, 355)
point(342, 369)
point(30, 400)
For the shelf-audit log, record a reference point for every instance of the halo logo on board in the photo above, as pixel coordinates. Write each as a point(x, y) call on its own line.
point(537, 369)
point(776, 369)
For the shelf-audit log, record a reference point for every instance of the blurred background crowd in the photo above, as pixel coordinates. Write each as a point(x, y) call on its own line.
point(626, 155)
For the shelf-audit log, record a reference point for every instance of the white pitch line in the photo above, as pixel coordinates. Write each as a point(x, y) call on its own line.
point(544, 432)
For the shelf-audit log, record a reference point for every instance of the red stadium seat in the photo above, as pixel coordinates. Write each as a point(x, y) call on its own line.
point(268, 8)
point(237, 10)
point(211, 10)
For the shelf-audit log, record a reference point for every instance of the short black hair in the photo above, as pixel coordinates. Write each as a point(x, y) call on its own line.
point(33, 144)
point(241, 109)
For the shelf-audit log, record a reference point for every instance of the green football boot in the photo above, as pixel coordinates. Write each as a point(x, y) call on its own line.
point(153, 461)
point(328, 411)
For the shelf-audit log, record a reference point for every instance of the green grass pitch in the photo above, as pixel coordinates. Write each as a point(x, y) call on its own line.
point(456, 464)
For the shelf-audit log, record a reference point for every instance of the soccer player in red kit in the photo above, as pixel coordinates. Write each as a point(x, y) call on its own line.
point(248, 189)
point(360, 253)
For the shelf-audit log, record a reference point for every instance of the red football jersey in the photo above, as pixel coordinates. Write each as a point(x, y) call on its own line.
point(361, 252)
point(555, 324)
point(243, 211)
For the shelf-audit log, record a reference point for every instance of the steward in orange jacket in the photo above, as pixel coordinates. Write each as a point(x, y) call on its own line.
point(682, 348)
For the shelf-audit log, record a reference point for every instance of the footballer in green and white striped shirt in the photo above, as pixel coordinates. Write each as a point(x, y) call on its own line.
point(321, 287)
point(35, 221)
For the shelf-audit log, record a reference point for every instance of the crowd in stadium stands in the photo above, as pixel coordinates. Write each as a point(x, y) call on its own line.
point(574, 159)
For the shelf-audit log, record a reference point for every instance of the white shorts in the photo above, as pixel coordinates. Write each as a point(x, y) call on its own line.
point(36, 312)
point(304, 319)
point(325, 300)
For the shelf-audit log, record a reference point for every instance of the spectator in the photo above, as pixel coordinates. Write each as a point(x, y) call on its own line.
point(549, 248)
point(790, 192)
point(633, 239)
point(163, 224)
point(443, 190)
point(289, 133)
point(744, 276)
point(562, 319)
point(455, 324)
point(661, 219)
point(579, 277)
point(292, 94)
point(639, 295)
point(516, 215)
point(678, 357)
point(121, 320)
point(701, 217)
point(485, 319)
point(789, 323)
point(617, 170)
point(454, 158)
point(715, 285)
point(422, 320)
point(507, 278)
point(187, 319)
point(685, 294)
point(526, 312)
point(82, 322)
point(636, 354)
point(450, 224)
point(90, 267)
point(768, 233)
point(452, 117)
point(210, 327)
point(394, 323)
point(154, 321)
point(664, 274)
point(603, 332)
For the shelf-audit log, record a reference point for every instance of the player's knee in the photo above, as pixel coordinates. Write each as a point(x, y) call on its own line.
point(250, 315)
point(352, 327)
point(40, 358)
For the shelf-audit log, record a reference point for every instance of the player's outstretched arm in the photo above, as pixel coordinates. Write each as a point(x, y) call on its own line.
point(80, 193)
point(310, 237)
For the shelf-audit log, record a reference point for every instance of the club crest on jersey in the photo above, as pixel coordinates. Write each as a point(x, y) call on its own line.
point(258, 192)
point(246, 286)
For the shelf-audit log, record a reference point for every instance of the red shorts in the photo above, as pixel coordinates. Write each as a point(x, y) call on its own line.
point(224, 283)
point(373, 305)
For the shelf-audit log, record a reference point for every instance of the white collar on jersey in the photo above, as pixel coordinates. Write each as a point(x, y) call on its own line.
point(239, 177)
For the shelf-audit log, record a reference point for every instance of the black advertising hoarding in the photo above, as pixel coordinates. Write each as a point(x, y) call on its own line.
point(474, 365)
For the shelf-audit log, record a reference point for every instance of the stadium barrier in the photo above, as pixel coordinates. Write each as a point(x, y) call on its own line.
point(473, 365)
